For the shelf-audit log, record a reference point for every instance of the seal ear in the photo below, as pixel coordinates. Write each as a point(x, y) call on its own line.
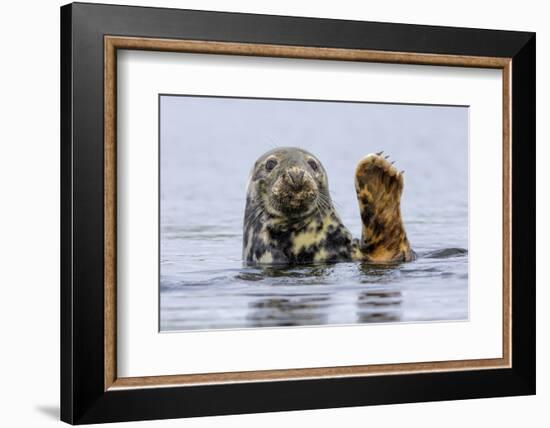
point(379, 186)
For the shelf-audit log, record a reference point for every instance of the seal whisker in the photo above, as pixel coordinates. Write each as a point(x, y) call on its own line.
point(328, 202)
point(324, 203)
point(272, 143)
point(326, 209)
point(319, 210)
point(254, 215)
point(251, 212)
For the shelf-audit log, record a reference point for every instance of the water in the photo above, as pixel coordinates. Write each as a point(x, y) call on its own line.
point(208, 146)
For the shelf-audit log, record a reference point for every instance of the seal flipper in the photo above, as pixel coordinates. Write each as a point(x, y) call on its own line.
point(379, 186)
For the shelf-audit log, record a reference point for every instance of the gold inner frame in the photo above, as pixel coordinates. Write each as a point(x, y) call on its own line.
point(113, 43)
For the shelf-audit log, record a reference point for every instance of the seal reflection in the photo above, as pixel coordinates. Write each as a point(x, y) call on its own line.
point(290, 310)
point(382, 301)
point(296, 299)
point(379, 306)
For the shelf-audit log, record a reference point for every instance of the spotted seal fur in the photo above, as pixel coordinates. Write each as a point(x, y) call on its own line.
point(290, 218)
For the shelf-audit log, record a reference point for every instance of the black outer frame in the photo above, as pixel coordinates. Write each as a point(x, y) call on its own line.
point(83, 399)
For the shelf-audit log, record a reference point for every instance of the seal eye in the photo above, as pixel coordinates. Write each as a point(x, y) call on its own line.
point(270, 164)
point(314, 165)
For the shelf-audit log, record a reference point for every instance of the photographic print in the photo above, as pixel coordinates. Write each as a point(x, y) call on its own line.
point(284, 212)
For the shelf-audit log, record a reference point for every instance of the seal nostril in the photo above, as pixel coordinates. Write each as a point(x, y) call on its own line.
point(290, 177)
point(296, 178)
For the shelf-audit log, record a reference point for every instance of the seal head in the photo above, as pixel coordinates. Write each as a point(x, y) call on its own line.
point(290, 183)
point(289, 216)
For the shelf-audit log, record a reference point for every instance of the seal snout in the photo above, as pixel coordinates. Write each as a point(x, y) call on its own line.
point(295, 178)
point(294, 191)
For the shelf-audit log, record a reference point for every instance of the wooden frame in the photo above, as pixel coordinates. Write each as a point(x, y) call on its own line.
point(513, 53)
point(112, 43)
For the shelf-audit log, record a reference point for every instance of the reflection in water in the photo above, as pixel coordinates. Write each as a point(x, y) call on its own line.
point(379, 305)
point(288, 311)
point(291, 309)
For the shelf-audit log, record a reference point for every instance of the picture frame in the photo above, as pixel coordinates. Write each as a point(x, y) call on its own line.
point(91, 390)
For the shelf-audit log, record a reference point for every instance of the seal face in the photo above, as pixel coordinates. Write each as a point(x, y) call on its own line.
point(289, 215)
